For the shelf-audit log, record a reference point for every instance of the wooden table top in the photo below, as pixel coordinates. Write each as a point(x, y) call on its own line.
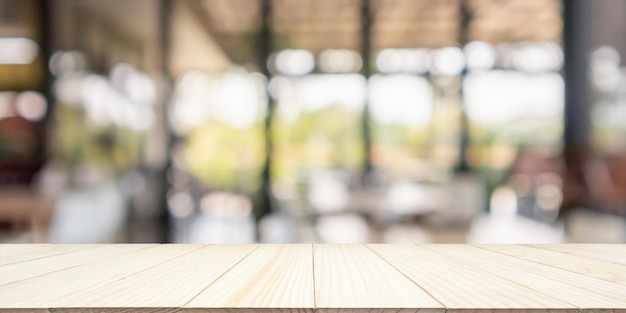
point(312, 278)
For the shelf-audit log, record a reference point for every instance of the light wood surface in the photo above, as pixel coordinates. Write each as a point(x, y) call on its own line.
point(272, 276)
point(313, 278)
point(579, 290)
point(459, 285)
point(173, 282)
point(25, 253)
point(352, 276)
point(611, 253)
point(590, 267)
point(31, 268)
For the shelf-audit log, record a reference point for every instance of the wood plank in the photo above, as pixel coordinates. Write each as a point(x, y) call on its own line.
point(31, 268)
point(114, 310)
point(36, 252)
point(460, 286)
point(583, 291)
point(350, 277)
point(589, 267)
point(604, 252)
point(245, 310)
point(14, 247)
point(312, 278)
point(169, 284)
point(380, 310)
point(277, 277)
point(52, 290)
point(3, 310)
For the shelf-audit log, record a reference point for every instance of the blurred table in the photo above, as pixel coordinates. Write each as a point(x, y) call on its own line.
point(19, 205)
point(312, 278)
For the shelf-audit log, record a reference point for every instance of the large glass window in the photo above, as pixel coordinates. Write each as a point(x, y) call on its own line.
point(416, 89)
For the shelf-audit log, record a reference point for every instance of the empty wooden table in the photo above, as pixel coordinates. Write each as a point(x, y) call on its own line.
point(312, 278)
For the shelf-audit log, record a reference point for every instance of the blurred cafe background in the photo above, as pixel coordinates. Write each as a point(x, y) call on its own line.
point(280, 121)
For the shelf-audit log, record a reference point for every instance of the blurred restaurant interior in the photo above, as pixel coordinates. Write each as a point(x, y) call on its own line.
point(331, 121)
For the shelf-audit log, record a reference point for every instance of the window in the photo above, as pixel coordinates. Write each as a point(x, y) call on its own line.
point(408, 89)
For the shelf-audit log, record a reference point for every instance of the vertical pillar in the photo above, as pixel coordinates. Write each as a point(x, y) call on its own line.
point(462, 166)
point(165, 22)
point(576, 45)
point(46, 42)
point(366, 46)
point(264, 51)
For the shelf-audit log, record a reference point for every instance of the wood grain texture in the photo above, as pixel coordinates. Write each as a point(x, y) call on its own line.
point(352, 276)
point(247, 310)
point(589, 267)
point(14, 247)
point(3, 310)
point(309, 278)
point(580, 290)
point(170, 284)
point(611, 253)
point(36, 252)
point(379, 310)
point(115, 310)
point(461, 286)
point(58, 289)
point(273, 276)
point(31, 268)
